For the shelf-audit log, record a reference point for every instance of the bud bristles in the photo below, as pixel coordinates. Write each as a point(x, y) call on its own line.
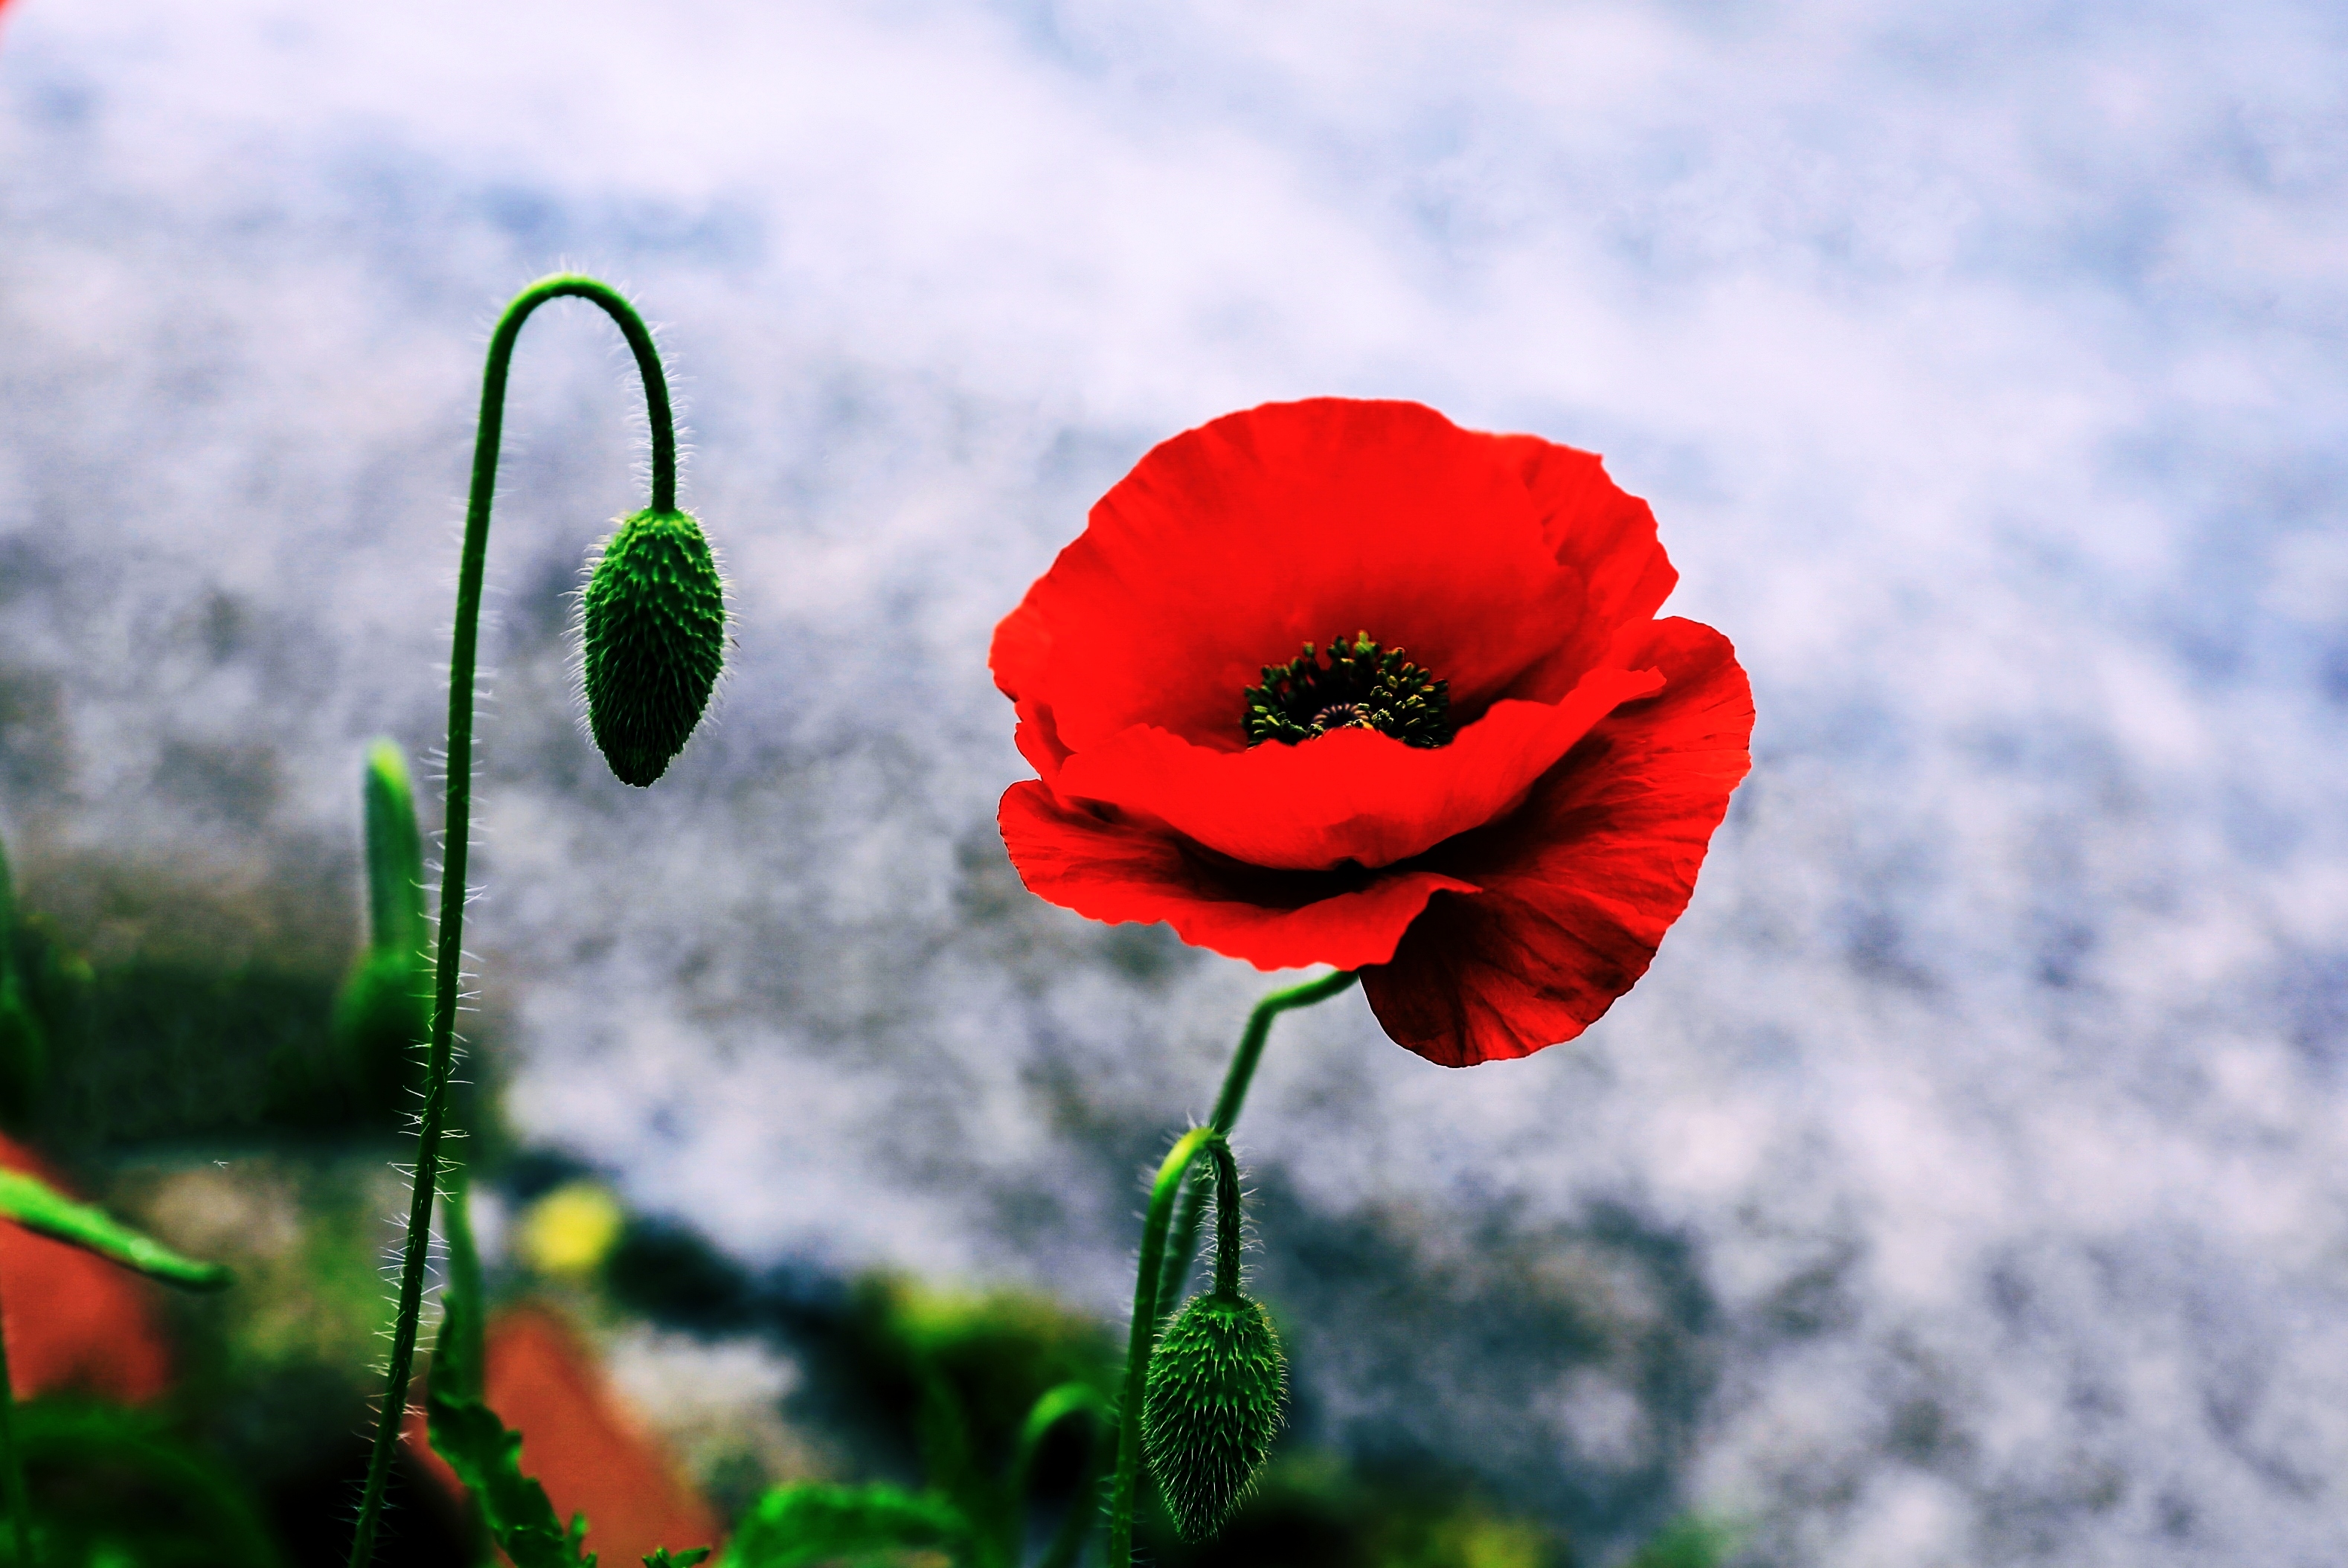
point(1218, 1382)
point(653, 640)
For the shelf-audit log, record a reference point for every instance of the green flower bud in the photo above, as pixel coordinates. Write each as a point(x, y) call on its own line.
point(382, 1019)
point(1217, 1384)
point(382, 1015)
point(653, 640)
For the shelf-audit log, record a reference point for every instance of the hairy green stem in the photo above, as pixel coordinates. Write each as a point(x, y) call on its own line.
point(11, 1463)
point(1144, 1336)
point(449, 961)
point(1227, 1239)
point(1236, 1080)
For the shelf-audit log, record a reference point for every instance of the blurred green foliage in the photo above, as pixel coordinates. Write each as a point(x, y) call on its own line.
point(996, 1352)
point(169, 1043)
point(114, 1488)
point(992, 1356)
point(24, 1039)
point(1690, 1542)
point(170, 1050)
point(979, 1416)
point(797, 1526)
point(276, 1376)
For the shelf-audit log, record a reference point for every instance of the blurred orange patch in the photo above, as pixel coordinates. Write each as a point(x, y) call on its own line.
point(75, 1323)
point(578, 1440)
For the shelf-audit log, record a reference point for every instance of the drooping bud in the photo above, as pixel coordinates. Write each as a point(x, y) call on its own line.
point(1216, 1385)
point(1218, 1381)
point(653, 640)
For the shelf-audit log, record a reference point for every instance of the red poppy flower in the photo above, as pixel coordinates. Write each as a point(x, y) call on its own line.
point(1490, 790)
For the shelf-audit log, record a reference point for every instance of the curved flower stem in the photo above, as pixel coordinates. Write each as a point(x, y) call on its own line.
point(1144, 1335)
point(1236, 1080)
point(1077, 1525)
point(1057, 1405)
point(449, 961)
point(11, 1463)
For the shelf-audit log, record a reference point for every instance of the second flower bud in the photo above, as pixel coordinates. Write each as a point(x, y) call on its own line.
point(1217, 1387)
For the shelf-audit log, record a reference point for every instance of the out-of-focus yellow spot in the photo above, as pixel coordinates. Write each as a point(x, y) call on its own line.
point(570, 1231)
point(1502, 1543)
point(1472, 1538)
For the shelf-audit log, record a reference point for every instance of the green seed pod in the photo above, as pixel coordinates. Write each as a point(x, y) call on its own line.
point(653, 639)
point(1216, 1383)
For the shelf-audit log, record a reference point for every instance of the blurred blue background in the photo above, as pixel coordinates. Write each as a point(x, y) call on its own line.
point(1968, 1181)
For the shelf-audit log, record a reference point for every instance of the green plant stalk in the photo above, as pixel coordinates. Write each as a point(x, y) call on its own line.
point(449, 962)
point(1144, 1336)
point(8, 923)
point(1057, 1405)
point(12, 1465)
point(1053, 1406)
point(10, 995)
point(1236, 1080)
point(1077, 1525)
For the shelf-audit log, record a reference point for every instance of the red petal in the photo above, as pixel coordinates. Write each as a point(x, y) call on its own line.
point(1605, 539)
point(1230, 546)
point(1577, 888)
point(1354, 795)
point(1275, 920)
point(1038, 739)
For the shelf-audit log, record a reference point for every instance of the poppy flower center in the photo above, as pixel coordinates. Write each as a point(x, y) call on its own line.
point(1353, 684)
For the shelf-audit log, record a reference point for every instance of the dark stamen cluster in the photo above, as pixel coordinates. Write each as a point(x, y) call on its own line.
point(1356, 684)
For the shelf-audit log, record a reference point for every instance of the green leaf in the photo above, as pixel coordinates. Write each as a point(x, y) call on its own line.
point(39, 1206)
point(818, 1522)
point(661, 1558)
point(487, 1457)
point(485, 1454)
